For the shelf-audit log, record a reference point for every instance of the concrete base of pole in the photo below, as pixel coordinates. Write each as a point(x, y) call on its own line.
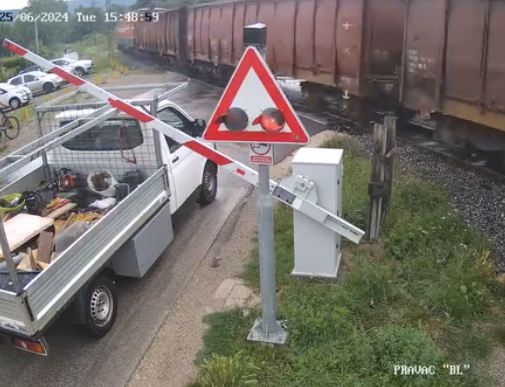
point(278, 335)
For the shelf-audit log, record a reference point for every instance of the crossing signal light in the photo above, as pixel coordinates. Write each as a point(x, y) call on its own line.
point(271, 120)
point(235, 119)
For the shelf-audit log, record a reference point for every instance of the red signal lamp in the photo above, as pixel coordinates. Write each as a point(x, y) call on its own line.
point(271, 120)
point(235, 119)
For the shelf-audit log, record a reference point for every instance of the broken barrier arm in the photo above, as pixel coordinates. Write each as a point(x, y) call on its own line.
point(283, 194)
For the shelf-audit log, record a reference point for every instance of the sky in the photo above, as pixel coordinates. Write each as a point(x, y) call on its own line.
point(12, 4)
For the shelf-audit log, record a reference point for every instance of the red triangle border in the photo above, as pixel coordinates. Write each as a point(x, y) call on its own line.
point(251, 59)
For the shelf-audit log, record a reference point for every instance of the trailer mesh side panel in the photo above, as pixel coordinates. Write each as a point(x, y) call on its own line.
point(118, 144)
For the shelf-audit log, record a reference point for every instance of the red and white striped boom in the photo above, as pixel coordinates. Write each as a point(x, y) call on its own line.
point(312, 210)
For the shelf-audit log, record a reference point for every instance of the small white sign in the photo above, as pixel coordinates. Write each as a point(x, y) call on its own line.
point(261, 154)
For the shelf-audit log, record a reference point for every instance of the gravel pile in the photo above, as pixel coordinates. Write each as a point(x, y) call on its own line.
point(479, 200)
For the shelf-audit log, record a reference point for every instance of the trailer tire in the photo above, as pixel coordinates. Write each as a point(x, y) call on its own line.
point(208, 188)
point(100, 307)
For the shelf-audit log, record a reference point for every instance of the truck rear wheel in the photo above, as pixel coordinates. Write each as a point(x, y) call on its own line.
point(208, 188)
point(101, 307)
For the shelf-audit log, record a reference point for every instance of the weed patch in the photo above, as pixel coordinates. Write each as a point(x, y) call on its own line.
point(430, 299)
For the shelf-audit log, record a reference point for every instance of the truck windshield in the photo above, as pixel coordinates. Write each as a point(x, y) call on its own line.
point(112, 135)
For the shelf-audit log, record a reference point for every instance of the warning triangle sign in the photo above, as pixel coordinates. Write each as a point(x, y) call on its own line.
point(254, 109)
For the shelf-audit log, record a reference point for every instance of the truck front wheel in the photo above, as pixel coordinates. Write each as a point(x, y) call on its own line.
point(208, 188)
point(101, 307)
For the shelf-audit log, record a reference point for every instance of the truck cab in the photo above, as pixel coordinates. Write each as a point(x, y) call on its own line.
point(189, 174)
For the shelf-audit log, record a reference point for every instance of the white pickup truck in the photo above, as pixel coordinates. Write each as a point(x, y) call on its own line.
point(127, 240)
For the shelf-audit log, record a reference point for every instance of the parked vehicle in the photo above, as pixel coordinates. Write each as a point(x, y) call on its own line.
point(38, 81)
point(40, 68)
point(148, 177)
point(24, 88)
point(13, 96)
point(80, 67)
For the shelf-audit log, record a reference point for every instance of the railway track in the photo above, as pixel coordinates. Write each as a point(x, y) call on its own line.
point(414, 133)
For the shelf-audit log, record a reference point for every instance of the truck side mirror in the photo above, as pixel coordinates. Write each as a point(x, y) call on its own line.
point(199, 126)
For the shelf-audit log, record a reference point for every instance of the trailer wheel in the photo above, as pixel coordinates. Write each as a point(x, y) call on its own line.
point(101, 307)
point(208, 188)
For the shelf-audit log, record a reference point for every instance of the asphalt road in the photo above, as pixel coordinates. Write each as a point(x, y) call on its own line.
point(144, 304)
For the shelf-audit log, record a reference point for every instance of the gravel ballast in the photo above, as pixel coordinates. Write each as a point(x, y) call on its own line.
point(478, 199)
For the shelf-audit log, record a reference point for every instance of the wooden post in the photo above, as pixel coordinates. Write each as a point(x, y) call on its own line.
point(390, 123)
point(376, 187)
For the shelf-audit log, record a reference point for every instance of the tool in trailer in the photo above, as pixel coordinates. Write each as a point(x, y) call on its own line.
point(296, 196)
point(34, 203)
point(11, 203)
point(69, 180)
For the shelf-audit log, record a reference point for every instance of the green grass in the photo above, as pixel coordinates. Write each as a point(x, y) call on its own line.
point(425, 301)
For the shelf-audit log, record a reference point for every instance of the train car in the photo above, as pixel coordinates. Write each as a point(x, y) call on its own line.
point(454, 70)
point(125, 34)
point(354, 46)
point(126, 28)
point(125, 39)
point(164, 36)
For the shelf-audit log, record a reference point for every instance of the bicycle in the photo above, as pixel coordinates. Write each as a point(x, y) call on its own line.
point(9, 125)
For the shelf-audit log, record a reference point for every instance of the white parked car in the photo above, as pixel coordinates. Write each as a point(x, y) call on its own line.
point(80, 67)
point(42, 69)
point(38, 82)
point(24, 88)
point(13, 97)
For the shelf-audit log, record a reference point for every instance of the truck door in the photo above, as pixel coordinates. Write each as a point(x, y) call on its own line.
point(184, 171)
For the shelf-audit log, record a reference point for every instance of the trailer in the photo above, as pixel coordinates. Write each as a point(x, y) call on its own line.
point(150, 178)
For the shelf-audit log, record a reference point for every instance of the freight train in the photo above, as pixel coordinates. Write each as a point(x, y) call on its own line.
point(437, 62)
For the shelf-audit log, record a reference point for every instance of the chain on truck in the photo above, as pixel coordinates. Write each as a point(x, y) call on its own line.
point(121, 168)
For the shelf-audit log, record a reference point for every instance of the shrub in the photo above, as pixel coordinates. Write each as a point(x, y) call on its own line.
point(228, 371)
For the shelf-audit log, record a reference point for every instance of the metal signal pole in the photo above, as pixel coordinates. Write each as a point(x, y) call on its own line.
point(266, 329)
point(37, 36)
point(109, 32)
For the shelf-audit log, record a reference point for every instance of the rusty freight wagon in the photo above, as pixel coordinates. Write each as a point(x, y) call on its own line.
point(126, 28)
point(352, 45)
point(163, 34)
point(454, 69)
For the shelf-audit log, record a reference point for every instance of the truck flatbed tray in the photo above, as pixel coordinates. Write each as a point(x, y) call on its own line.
point(24, 279)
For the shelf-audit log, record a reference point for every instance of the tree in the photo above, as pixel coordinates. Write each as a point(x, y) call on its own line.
point(48, 33)
point(77, 30)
